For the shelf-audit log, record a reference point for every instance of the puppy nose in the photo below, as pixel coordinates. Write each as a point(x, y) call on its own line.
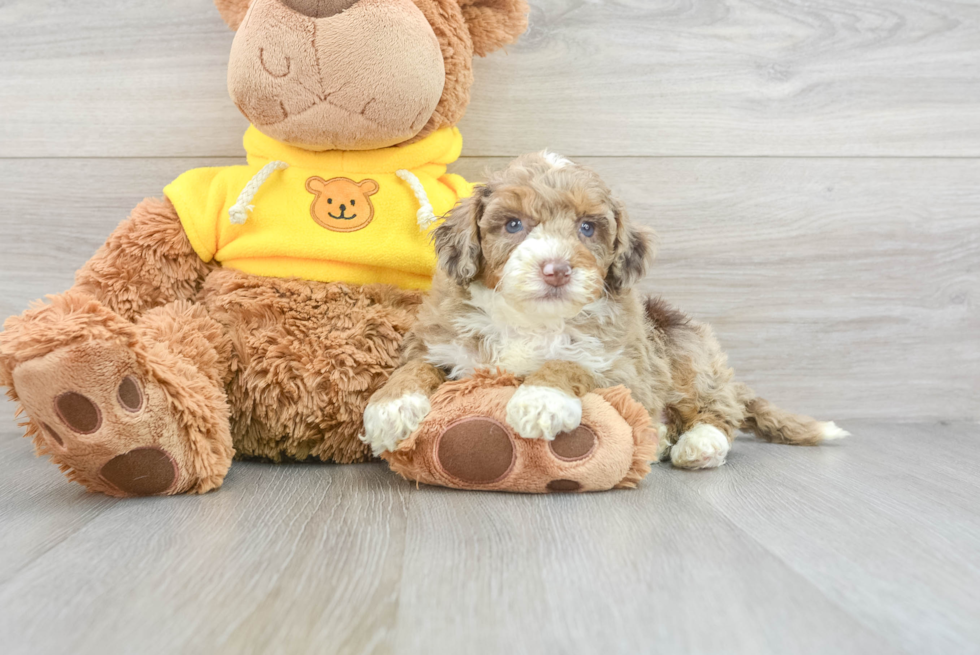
point(557, 274)
point(343, 208)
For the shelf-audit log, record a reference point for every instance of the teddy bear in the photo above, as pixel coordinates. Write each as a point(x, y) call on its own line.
point(254, 309)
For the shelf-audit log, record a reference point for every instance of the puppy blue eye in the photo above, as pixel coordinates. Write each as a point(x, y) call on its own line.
point(514, 226)
point(587, 229)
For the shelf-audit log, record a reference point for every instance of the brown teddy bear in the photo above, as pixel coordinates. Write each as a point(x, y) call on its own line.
point(256, 308)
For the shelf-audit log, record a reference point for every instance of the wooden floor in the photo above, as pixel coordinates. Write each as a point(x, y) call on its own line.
point(813, 171)
point(871, 545)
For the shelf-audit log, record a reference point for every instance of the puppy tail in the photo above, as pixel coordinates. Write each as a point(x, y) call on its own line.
point(770, 423)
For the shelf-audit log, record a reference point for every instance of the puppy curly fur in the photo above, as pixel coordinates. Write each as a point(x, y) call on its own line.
point(492, 306)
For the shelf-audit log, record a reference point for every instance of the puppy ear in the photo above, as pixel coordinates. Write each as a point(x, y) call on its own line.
point(457, 239)
point(233, 11)
point(494, 23)
point(633, 254)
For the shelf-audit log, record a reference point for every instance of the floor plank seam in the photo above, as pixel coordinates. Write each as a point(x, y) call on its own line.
point(796, 572)
point(282, 562)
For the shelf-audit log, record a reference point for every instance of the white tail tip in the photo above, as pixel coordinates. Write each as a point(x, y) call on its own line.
point(829, 431)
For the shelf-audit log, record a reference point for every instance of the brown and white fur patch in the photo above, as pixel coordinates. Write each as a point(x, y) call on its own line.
point(536, 275)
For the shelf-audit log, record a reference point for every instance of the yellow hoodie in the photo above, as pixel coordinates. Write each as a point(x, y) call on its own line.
point(348, 216)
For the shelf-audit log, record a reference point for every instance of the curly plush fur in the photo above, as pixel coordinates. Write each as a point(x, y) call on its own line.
point(307, 357)
point(276, 369)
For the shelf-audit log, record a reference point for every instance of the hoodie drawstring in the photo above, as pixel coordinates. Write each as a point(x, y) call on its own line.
point(238, 213)
point(425, 216)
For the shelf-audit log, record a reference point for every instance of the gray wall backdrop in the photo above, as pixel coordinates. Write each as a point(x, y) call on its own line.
point(812, 168)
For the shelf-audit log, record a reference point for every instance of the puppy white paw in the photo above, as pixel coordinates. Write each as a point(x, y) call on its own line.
point(829, 431)
point(542, 412)
point(386, 424)
point(702, 447)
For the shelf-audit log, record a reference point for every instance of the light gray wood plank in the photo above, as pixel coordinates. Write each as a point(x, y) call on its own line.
point(38, 511)
point(850, 548)
point(885, 524)
point(842, 288)
point(631, 77)
point(51, 229)
point(622, 572)
point(110, 77)
point(732, 77)
point(283, 559)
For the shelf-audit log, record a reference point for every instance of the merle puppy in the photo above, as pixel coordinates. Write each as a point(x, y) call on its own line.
point(536, 275)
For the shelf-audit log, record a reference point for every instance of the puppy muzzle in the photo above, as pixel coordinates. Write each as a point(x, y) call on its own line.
point(540, 278)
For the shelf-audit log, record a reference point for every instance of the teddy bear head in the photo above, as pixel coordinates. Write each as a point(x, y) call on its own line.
point(360, 74)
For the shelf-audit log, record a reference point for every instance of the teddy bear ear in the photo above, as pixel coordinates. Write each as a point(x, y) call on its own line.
point(233, 11)
point(316, 184)
point(494, 23)
point(369, 187)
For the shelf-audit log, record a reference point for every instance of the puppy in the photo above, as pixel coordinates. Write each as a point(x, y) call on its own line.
point(536, 275)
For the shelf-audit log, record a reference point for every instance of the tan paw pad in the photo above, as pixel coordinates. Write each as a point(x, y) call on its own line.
point(476, 451)
point(575, 445)
point(78, 412)
point(564, 486)
point(130, 395)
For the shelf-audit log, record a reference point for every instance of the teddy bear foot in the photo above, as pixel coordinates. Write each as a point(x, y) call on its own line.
point(122, 415)
point(480, 450)
point(466, 443)
point(102, 420)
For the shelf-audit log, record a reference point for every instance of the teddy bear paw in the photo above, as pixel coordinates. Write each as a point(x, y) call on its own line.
point(102, 417)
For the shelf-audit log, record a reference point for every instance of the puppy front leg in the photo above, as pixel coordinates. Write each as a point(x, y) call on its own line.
point(396, 409)
point(549, 401)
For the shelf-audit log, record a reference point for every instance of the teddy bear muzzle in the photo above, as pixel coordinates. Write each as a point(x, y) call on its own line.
point(337, 74)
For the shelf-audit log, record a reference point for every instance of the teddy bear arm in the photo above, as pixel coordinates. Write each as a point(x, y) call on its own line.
point(466, 442)
point(147, 262)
